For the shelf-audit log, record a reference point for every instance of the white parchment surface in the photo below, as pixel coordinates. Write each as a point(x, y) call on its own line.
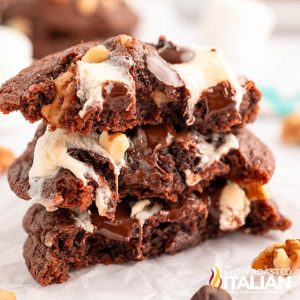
point(168, 277)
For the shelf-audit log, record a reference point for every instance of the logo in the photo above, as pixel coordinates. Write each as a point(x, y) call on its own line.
point(250, 281)
point(215, 278)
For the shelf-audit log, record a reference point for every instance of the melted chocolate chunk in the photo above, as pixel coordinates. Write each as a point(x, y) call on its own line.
point(123, 228)
point(209, 293)
point(219, 99)
point(117, 95)
point(174, 54)
point(156, 137)
point(162, 71)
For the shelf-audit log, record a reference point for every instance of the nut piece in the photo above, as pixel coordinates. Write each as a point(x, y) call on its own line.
point(21, 24)
point(234, 207)
point(65, 87)
point(96, 55)
point(126, 40)
point(283, 257)
point(87, 7)
point(160, 98)
point(116, 144)
point(7, 295)
point(257, 192)
point(291, 129)
point(6, 159)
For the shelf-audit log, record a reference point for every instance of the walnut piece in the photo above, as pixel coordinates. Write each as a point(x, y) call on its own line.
point(291, 129)
point(7, 295)
point(87, 7)
point(6, 159)
point(116, 144)
point(282, 257)
point(96, 55)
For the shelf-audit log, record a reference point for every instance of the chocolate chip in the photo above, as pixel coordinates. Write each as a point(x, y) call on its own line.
point(209, 293)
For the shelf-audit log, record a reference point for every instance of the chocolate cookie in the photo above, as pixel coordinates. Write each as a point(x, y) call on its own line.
point(124, 83)
point(56, 25)
point(64, 240)
point(72, 171)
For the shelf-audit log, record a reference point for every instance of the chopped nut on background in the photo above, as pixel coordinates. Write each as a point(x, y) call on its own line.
point(7, 295)
point(291, 129)
point(280, 256)
point(6, 159)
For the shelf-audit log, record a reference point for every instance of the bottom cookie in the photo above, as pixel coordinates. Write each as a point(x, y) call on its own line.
point(64, 240)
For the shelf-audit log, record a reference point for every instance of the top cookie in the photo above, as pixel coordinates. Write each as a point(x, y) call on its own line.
point(124, 82)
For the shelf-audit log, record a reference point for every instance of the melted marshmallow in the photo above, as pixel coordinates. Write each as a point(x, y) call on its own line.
point(143, 211)
point(207, 69)
point(51, 154)
point(210, 153)
point(92, 76)
point(84, 221)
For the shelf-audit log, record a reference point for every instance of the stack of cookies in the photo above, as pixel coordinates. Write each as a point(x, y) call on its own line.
point(142, 152)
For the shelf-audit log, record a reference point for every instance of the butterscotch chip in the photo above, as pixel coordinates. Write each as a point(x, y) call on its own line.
point(96, 55)
point(87, 7)
point(7, 295)
point(6, 159)
point(291, 129)
point(21, 24)
point(65, 87)
point(257, 192)
point(115, 144)
point(283, 257)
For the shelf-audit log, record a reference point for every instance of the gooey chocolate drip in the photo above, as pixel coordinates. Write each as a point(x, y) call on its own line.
point(125, 227)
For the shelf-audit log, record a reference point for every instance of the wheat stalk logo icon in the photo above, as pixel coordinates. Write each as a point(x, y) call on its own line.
point(215, 278)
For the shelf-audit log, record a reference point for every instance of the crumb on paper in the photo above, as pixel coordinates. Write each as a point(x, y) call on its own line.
point(6, 159)
point(291, 129)
point(7, 295)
